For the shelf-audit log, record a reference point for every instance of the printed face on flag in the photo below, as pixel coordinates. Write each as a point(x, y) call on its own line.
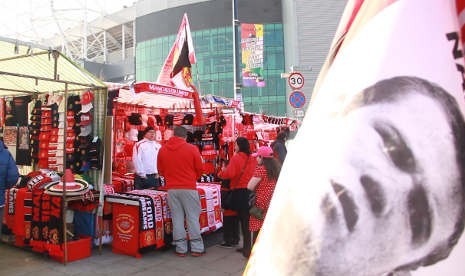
point(386, 209)
point(373, 184)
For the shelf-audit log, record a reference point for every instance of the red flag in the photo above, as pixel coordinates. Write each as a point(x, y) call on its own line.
point(373, 183)
point(176, 70)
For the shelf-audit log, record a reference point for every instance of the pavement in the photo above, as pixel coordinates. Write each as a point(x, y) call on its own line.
point(218, 261)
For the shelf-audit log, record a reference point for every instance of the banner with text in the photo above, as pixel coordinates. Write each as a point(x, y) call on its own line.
point(252, 55)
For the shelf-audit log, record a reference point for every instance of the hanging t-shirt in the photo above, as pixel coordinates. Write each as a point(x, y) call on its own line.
point(20, 109)
point(111, 96)
point(23, 151)
point(10, 118)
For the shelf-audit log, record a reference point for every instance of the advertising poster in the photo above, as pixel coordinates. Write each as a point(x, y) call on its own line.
point(373, 183)
point(252, 55)
point(10, 135)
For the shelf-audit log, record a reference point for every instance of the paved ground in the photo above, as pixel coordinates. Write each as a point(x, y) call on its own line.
point(217, 262)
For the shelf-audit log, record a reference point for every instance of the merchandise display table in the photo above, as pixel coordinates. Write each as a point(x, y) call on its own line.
point(35, 221)
point(141, 218)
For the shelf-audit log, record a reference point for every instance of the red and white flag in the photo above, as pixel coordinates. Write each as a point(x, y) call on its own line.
point(176, 70)
point(373, 183)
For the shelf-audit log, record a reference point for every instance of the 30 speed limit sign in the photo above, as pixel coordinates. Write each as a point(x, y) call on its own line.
point(296, 80)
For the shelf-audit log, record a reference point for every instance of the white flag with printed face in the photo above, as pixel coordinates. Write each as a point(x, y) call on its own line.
point(374, 182)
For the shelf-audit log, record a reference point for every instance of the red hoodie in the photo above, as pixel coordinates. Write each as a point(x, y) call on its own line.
point(180, 164)
point(240, 161)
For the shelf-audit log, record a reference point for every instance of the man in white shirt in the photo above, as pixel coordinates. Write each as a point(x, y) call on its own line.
point(144, 156)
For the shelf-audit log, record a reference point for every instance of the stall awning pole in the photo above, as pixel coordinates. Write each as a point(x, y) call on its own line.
point(64, 202)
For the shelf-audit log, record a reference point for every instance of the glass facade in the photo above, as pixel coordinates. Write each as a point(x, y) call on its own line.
point(213, 72)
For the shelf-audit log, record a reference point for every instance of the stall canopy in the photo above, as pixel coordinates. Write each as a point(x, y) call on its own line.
point(26, 69)
point(156, 95)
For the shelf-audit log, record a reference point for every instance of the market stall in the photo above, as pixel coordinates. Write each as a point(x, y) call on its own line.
point(51, 119)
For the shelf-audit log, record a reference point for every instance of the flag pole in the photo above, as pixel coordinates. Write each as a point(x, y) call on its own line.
point(236, 68)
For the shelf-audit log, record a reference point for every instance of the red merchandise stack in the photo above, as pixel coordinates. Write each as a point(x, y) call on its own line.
point(211, 216)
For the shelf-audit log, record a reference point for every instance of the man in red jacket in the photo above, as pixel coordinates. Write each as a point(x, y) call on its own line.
point(180, 164)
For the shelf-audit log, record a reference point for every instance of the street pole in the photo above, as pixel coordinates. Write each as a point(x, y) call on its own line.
point(237, 68)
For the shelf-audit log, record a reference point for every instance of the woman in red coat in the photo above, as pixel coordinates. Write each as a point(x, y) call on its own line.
point(263, 183)
point(239, 170)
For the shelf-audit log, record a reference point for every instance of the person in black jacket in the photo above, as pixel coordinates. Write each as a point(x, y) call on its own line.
point(279, 146)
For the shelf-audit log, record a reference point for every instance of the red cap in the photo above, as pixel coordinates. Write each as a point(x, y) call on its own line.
point(46, 114)
point(45, 127)
point(46, 121)
point(53, 138)
point(87, 97)
point(86, 119)
point(151, 121)
point(44, 136)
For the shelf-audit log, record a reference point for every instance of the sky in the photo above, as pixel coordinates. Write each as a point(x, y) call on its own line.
point(37, 20)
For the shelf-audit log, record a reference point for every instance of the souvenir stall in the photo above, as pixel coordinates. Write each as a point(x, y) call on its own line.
point(161, 107)
point(51, 118)
point(264, 128)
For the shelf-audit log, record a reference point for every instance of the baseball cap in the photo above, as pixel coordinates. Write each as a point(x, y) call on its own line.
point(46, 121)
point(188, 119)
point(46, 112)
point(84, 141)
point(151, 121)
point(44, 136)
point(85, 130)
point(35, 125)
point(135, 119)
point(159, 120)
point(74, 103)
point(169, 120)
point(35, 118)
point(86, 107)
point(53, 138)
point(86, 119)
point(264, 152)
point(57, 131)
point(53, 146)
point(87, 97)
point(132, 134)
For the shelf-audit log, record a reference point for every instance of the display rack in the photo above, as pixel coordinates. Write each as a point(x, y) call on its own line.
point(28, 69)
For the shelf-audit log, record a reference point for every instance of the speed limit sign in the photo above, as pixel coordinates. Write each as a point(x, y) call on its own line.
point(296, 80)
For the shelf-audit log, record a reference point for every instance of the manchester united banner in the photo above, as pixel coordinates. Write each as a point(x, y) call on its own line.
point(176, 70)
point(374, 182)
point(252, 55)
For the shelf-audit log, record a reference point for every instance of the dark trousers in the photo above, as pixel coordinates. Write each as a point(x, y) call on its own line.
point(231, 229)
point(150, 182)
point(243, 216)
point(254, 237)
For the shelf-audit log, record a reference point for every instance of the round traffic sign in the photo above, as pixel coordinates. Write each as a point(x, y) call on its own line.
point(296, 80)
point(297, 99)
